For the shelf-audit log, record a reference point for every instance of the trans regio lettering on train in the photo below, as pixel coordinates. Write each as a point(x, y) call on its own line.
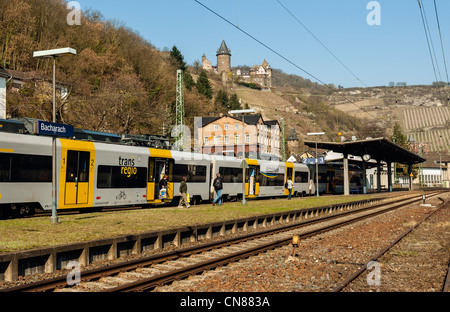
point(127, 166)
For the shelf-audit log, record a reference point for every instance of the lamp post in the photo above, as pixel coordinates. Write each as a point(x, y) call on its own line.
point(317, 160)
point(243, 112)
point(53, 54)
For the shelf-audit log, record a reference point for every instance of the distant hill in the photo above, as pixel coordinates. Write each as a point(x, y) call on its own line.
point(422, 111)
point(121, 83)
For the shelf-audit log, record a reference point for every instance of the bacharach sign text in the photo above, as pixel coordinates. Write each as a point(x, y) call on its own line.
point(53, 129)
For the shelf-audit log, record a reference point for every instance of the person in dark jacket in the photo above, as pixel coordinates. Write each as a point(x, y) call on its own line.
point(218, 188)
point(163, 185)
point(183, 193)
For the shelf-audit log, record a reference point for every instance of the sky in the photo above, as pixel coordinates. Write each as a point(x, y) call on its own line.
point(394, 49)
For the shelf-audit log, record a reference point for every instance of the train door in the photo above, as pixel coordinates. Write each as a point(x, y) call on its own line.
point(158, 168)
point(77, 178)
point(252, 181)
point(289, 175)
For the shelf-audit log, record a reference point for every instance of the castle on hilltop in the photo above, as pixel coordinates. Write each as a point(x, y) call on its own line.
point(260, 75)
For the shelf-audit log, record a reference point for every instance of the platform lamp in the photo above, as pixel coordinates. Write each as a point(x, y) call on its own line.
point(317, 160)
point(54, 54)
point(243, 112)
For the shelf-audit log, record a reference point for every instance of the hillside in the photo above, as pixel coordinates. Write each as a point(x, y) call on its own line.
point(300, 109)
point(117, 81)
point(421, 111)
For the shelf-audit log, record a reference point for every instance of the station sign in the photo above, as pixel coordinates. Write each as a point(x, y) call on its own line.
point(53, 129)
point(312, 161)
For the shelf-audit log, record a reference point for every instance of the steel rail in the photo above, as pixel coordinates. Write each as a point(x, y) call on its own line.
point(165, 278)
point(58, 282)
point(386, 249)
point(446, 287)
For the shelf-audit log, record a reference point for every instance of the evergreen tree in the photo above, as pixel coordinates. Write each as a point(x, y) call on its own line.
point(399, 137)
point(204, 86)
point(178, 58)
point(221, 100)
point(233, 102)
point(189, 82)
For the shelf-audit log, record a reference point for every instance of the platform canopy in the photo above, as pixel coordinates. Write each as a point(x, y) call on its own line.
point(379, 149)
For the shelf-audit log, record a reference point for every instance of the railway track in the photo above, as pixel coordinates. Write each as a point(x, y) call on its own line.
point(369, 264)
point(147, 273)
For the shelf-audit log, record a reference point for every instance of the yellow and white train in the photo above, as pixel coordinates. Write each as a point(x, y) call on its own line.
point(98, 175)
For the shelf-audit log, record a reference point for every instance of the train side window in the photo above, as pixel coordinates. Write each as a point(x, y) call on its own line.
point(301, 177)
point(35, 168)
point(276, 180)
point(5, 168)
point(195, 174)
point(231, 175)
point(121, 177)
point(25, 168)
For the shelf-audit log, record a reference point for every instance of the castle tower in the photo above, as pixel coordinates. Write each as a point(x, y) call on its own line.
point(223, 58)
point(206, 65)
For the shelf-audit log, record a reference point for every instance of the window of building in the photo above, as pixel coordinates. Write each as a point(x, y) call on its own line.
point(236, 139)
point(227, 139)
point(206, 140)
point(247, 138)
point(216, 127)
point(236, 126)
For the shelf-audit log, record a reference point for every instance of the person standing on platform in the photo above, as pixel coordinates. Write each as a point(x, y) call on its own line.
point(218, 188)
point(183, 193)
point(289, 186)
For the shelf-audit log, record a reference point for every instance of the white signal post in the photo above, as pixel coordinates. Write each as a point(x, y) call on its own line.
point(243, 112)
point(53, 54)
point(317, 160)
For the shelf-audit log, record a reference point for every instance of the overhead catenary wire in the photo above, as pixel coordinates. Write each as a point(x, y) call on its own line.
point(429, 43)
point(442, 44)
point(443, 50)
point(322, 44)
point(281, 56)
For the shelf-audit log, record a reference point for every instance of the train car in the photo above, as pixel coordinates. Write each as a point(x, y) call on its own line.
point(231, 171)
point(302, 178)
point(100, 175)
point(94, 175)
point(197, 169)
point(25, 174)
point(273, 177)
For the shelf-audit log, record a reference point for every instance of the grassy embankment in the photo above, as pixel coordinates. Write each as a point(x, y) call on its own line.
point(22, 234)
